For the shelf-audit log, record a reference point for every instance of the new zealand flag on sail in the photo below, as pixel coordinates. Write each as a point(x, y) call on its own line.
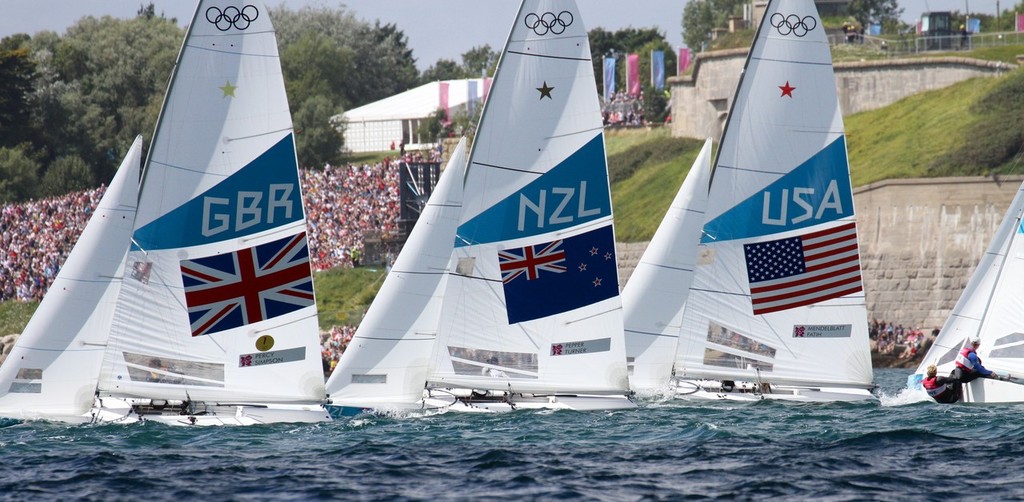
point(554, 277)
point(249, 285)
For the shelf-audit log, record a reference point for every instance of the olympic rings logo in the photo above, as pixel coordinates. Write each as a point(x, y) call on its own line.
point(793, 24)
point(232, 17)
point(548, 22)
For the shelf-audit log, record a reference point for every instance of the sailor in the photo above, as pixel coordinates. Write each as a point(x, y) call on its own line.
point(968, 364)
point(941, 389)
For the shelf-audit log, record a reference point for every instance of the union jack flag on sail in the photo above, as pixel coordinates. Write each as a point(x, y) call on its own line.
point(531, 260)
point(249, 285)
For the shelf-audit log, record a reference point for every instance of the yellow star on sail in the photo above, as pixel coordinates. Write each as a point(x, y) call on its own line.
point(228, 89)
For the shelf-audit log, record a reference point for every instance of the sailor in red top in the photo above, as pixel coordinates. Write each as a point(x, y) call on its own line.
point(968, 364)
point(941, 389)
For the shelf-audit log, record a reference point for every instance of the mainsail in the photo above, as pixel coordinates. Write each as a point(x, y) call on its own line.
point(777, 294)
point(655, 296)
point(217, 303)
point(53, 369)
point(387, 361)
point(533, 302)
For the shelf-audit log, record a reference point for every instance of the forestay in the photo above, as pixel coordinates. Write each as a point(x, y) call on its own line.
point(218, 299)
point(52, 371)
point(777, 294)
point(533, 304)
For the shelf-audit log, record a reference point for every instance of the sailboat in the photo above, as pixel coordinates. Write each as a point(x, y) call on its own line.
point(215, 322)
point(531, 314)
point(776, 309)
point(387, 363)
point(990, 309)
point(53, 369)
point(655, 296)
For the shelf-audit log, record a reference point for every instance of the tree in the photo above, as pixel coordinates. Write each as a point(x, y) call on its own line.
point(443, 69)
point(316, 65)
point(66, 174)
point(18, 175)
point(874, 11)
point(479, 61)
point(17, 72)
point(626, 41)
point(317, 139)
point(701, 16)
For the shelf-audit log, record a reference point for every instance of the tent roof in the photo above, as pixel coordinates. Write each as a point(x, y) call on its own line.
point(415, 103)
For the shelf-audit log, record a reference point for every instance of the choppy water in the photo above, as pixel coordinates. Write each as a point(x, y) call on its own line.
point(899, 450)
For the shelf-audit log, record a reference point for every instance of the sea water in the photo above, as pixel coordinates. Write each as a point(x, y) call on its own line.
point(903, 448)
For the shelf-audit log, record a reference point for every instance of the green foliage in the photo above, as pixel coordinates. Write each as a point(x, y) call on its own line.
point(655, 105)
point(702, 16)
point(18, 175)
point(626, 41)
point(344, 294)
point(66, 174)
point(647, 169)
point(14, 316)
point(434, 128)
point(316, 65)
point(17, 71)
point(480, 61)
point(443, 69)
point(874, 11)
point(317, 138)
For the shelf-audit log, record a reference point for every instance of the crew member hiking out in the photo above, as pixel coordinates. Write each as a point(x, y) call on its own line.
point(941, 389)
point(968, 364)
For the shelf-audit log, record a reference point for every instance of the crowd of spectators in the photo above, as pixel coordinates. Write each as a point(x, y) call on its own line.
point(333, 343)
point(895, 339)
point(343, 204)
point(35, 238)
point(624, 110)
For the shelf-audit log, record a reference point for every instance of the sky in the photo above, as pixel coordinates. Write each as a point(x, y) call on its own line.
point(435, 28)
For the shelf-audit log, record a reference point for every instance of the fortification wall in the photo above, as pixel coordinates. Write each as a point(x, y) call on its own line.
point(701, 100)
point(921, 240)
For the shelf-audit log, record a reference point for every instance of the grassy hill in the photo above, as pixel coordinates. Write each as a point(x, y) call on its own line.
point(973, 128)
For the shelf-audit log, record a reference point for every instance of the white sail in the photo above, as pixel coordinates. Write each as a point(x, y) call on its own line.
point(53, 369)
point(777, 295)
point(217, 304)
point(654, 298)
point(990, 308)
point(533, 304)
point(387, 361)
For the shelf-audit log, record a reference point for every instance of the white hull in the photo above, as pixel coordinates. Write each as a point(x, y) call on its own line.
point(711, 390)
point(436, 401)
point(113, 410)
point(990, 391)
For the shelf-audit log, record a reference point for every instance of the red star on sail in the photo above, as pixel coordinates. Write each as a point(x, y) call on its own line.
point(787, 90)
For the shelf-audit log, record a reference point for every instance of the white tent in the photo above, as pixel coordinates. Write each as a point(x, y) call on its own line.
point(386, 124)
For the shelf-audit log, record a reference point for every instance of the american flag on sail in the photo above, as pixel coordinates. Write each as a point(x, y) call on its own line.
point(249, 285)
point(803, 270)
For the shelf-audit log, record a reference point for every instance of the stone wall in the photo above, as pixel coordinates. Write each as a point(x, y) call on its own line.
point(700, 101)
point(920, 242)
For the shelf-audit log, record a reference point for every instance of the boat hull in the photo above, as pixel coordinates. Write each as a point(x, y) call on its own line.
point(437, 401)
point(109, 410)
point(991, 391)
point(713, 390)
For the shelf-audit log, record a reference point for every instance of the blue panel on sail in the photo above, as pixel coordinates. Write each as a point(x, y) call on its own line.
point(573, 192)
point(262, 195)
point(817, 191)
point(554, 277)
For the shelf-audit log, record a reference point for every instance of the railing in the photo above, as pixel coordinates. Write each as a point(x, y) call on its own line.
point(914, 44)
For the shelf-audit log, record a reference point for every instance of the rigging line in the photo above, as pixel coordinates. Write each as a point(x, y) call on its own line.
point(744, 169)
point(548, 56)
point(574, 133)
point(650, 333)
point(669, 267)
point(508, 168)
point(234, 53)
point(787, 61)
point(592, 316)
